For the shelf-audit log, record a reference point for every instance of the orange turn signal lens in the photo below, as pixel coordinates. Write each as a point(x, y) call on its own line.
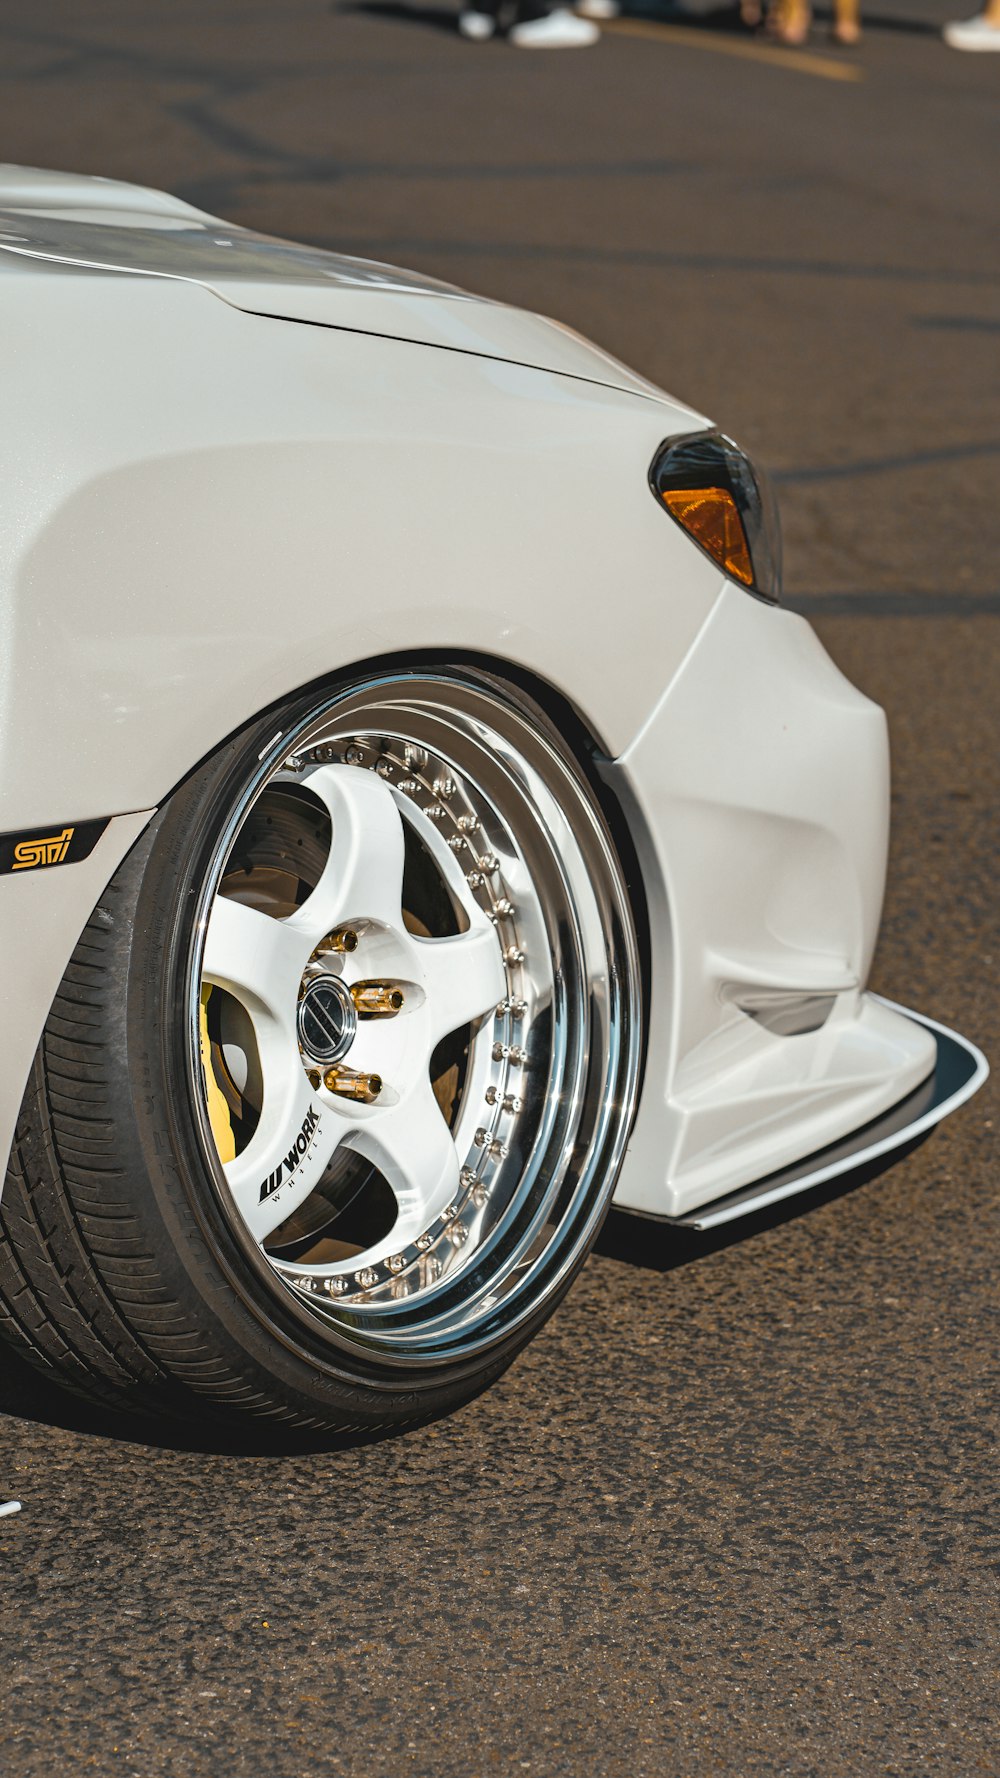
point(711, 516)
point(712, 491)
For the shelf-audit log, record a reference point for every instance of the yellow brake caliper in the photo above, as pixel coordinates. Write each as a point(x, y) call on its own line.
point(218, 1109)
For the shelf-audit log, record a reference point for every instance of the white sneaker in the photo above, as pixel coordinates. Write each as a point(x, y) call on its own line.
point(975, 33)
point(557, 30)
point(478, 27)
point(601, 10)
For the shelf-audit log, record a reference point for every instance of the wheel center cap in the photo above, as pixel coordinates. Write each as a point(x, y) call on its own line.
point(326, 1019)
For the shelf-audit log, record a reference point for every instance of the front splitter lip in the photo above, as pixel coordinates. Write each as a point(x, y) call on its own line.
point(959, 1071)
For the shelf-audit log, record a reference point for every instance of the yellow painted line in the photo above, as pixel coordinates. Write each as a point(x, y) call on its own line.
point(797, 61)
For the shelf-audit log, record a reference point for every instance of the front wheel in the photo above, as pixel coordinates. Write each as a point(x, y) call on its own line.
point(332, 1098)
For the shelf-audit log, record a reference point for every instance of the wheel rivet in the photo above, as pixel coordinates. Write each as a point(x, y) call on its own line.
point(468, 1177)
point(337, 1285)
point(489, 862)
point(467, 823)
point(499, 1150)
point(408, 785)
point(396, 1262)
point(475, 879)
point(500, 1050)
point(506, 1101)
point(384, 768)
point(425, 1241)
point(415, 757)
point(481, 1138)
point(366, 1278)
point(518, 1056)
point(445, 788)
point(513, 955)
point(355, 755)
point(503, 907)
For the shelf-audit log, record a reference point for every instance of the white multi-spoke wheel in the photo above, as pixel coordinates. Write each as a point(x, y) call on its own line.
point(363, 1028)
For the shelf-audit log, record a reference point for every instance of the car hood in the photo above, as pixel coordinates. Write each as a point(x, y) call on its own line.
point(102, 225)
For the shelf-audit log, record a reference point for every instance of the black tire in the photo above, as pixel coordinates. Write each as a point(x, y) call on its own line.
point(125, 1270)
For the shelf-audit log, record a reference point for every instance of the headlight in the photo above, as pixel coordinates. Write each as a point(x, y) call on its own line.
point(709, 486)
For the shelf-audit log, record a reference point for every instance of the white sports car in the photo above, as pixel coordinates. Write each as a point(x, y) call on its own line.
point(419, 821)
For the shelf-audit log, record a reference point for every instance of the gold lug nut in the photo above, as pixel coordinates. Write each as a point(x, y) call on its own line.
point(344, 939)
point(349, 1085)
point(376, 1000)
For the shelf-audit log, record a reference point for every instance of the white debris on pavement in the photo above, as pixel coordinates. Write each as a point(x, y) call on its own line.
point(12, 1506)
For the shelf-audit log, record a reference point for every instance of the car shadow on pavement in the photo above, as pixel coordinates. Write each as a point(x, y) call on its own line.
point(661, 1246)
point(633, 1240)
point(27, 1395)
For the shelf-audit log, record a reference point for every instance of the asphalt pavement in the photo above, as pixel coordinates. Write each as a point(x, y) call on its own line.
point(735, 1511)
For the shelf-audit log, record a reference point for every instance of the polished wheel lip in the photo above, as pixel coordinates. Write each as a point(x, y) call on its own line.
point(533, 1271)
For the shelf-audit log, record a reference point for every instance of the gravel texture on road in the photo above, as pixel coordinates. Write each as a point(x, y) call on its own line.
point(735, 1511)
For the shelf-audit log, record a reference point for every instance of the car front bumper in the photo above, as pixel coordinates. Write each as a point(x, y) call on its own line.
point(758, 797)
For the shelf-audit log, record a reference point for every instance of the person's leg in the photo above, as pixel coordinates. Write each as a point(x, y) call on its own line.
point(789, 21)
point(846, 21)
